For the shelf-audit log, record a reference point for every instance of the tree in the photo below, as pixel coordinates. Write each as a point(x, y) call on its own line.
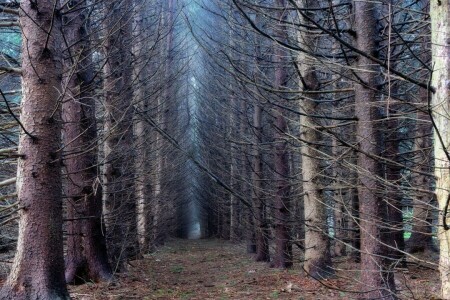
point(38, 268)
point(317, 244)
point(143, 185)
point(119, 170)
point(423, 209)
point(283, 246)
point(378, 281)
point(86, 257)
point(258, 203)
point(440, 105)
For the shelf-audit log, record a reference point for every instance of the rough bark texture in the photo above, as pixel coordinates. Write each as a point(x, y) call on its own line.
point(283, 247)
point(377, 280)
point(38, 268)
point(143, 185)
point(118, 170)
point(440, 41)
point(258, 205)
point(86, 256)
point(317, 243)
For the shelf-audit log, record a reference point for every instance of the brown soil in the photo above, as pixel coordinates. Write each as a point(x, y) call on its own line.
point(213, 269)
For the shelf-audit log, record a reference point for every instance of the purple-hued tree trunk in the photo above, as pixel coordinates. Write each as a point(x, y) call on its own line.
point(86, 256)
point(38, 268)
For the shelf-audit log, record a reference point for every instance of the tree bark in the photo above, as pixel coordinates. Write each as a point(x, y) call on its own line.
point(258, 205)
point(317, 244)
point(421, 238)
point(377, 280)
point(440, 104)
point(86, 258)
point(118, 169)
point(143, 185)
point(38, 268)
point(283, 246)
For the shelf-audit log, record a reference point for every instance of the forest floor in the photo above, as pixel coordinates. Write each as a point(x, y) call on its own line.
point(214, 269)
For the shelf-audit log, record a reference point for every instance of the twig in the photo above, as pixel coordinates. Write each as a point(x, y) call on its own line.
point(14, 116)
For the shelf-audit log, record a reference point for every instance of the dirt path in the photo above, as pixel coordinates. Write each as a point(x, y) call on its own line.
point(211, 269)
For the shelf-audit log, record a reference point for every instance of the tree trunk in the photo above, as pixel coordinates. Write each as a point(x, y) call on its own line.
point(234, 201)
point(143, 184)
point(440, 41)
point(283, 246)
point(421, 232)
point(377, 281)
point(394, 233)
point(235, 126)
point(38, 268)
point(86, 258)
point(317, 243)
point(258, 205)
point(118, 169)
point(421, 238)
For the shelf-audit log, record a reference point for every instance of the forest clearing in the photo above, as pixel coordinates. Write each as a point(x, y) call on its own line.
point(224, 149)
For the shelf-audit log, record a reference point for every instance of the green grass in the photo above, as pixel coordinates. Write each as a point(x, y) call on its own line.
point(177, 269)
point(275, 295)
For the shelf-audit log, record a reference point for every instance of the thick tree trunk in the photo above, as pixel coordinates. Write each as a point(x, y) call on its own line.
point(317, 243)
point(118, 169)
point(377, 280)
point(86, 258)
point(283, 246)
point(440, 41)
point(38, 268)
